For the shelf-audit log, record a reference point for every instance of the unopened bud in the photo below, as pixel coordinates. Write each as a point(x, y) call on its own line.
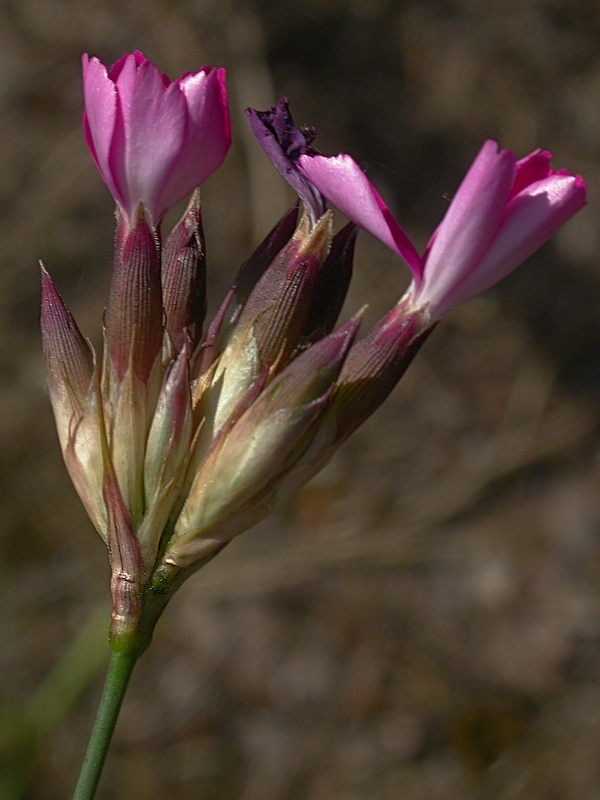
point(280, 303)
point(72, 386)
point(248, 276)
point(69, 358)
point(271, 322)
point(265, 254)
point(332, 285)
point(248, 460)
point(184, 277)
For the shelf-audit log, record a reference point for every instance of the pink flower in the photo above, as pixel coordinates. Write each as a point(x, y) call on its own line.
point(154, 140)
point(503, 211)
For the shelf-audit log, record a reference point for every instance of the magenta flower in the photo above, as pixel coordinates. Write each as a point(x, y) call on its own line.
point(154, 140)
point(503, 211)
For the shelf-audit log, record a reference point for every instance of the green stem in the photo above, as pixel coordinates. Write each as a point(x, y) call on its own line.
point(129, 639)
point(122, 662)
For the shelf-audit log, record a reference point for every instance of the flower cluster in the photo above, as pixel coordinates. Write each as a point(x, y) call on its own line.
point(181, 436)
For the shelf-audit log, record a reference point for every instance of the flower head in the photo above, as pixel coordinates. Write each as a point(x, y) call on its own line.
point(503, 211)
point(154, 140)
point(181, 437)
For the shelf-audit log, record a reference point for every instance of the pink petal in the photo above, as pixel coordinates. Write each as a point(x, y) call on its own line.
point(136, 59)
point(154, 141)
point(531, 219)
point(154, 123)
point(469, 226)
point(207, 135)
point(345, 185)
point(99, 117)
point(532, 168)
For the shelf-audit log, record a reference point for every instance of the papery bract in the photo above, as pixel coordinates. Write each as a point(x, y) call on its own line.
point(154, 140)
point(73, 393)
point(269, 436)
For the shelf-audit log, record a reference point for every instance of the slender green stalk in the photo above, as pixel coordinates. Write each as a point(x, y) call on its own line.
point(120, 668)
point(129, 639)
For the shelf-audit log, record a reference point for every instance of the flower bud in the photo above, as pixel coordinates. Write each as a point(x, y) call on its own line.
point(332, 285)
point(184, 277)
point(247, 461)
point(271, 322)
point(248, 276)
point(73, 393)
point(281, 301)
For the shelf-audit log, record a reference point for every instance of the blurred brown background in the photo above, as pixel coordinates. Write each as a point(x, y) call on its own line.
point(422, 622)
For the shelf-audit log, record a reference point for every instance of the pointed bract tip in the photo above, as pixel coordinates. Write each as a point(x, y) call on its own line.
point(69, 357)
point(315, 239)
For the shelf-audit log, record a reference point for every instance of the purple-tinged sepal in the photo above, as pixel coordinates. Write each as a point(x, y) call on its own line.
point(133, 320)
point(239, 480)
point(132, 370)
point(375, 364)
point(285, 143)
point(70, 367)
point(184, 277)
